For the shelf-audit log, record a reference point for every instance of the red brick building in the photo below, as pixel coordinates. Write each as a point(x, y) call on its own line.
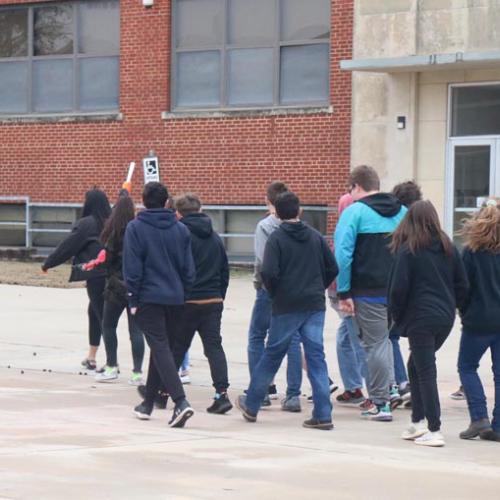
point(229, 94)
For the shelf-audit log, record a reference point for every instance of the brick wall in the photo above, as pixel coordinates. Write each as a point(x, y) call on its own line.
point(226, 160)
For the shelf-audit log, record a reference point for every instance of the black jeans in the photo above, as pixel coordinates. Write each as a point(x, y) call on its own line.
point(423, 374)
point(95, 291)
point(111, 315)
point(156, 322)
point(206, 320)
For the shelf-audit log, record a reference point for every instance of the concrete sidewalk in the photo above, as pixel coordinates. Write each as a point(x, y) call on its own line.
point(63, 436)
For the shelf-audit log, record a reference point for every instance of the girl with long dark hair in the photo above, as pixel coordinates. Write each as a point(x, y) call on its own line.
point(82, 245)
point(426, 285)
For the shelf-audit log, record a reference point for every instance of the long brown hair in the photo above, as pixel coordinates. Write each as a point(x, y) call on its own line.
point(482, 230)
point(114, 229)
point(419, 229)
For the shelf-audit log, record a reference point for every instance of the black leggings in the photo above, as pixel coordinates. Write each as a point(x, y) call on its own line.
point(95, 291)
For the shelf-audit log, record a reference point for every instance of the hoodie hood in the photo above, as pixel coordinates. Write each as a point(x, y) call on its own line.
point(296, 230)
point(199, 224)
point(385, 204)
point(161, 218)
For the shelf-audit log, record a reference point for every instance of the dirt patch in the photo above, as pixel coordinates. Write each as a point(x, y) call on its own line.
point(30, 274)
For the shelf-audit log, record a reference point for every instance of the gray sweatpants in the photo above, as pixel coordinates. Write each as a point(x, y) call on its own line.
point(374, 333)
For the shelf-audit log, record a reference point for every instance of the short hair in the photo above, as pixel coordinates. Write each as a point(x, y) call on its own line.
point(274, 190)
point(407, 193)
point(287, 205)
point(366, 177)
point(187, 204)
point(155, 195)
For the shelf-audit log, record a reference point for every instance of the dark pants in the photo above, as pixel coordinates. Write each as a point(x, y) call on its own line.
point(156, 321)
point(423, 374)
point(95, 292)
point(111, 315)
point(206, 320)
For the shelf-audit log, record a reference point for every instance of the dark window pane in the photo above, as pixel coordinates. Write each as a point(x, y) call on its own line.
point(53, 85)
point(13, 87)
point(252, 21)
point(53, 30)
point(476, 110)
point(99, 83)
point(199, 22)
point(251, 76)
point(14, 33)
point(198, 78)
point(99, 27)
point(305, 20)
point(304, 74)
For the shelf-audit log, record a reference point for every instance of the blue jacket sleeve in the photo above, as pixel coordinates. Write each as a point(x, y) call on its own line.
point(345, 242)
point(133, 265)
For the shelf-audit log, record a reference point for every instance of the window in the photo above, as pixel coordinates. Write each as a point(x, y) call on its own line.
point(60, 57)
point(250, 53)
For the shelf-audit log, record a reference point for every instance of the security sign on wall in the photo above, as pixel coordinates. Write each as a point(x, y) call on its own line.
point(151, 169)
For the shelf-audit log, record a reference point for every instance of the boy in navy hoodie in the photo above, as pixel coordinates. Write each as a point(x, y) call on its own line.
point(158, 268)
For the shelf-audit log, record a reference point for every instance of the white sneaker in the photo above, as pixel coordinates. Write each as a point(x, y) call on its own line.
point(415, 430)
point(110, 373)
point(185, 378)
point(136, 379)
point(435, 439)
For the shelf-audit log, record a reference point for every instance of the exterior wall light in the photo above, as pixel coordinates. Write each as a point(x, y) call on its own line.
point(148, 3)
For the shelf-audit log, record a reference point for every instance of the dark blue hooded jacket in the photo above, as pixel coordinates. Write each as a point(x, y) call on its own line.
point(158, 265)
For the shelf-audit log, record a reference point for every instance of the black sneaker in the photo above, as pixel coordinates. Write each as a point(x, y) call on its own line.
point(247, 414)
point(182, 412)
point(322, 425)
point(272, 392)
point(220, 405)
point(160, 400)
point(143, 411)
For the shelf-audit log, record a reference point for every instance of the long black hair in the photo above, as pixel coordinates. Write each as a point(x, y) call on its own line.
point(97, 205)
point(114, 229)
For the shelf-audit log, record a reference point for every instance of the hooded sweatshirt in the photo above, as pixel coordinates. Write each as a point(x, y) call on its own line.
point(212, 270)
point(361, 240)
point(297, 268)
point(158, 264)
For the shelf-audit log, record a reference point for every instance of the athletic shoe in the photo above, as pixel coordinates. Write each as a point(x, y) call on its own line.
point(247, 414)
point(351, 397)
point(182, 413)
point(107, 375)
point(291, 404)
point(136, 379)
point(366, 404)
point(332, 386)
point(89, 364)
point(475, 428)
point(458, 395)
point(395, 398)
point(407, 405)
point(434, 439)
point(266, 401)
point(220, 405)
point(184, 376)
point(415, 430)
point(143, 411)
point(161, 398)
point(490, 435)
point(378, 413)
point(272, 392)
point(405, 392)
point(314, 423)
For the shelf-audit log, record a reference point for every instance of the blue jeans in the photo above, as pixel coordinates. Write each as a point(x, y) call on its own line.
point(185, 363)
point(350, 355)
point(472, 348)
point(257, 333)
point(399, 365)
point(309, 326)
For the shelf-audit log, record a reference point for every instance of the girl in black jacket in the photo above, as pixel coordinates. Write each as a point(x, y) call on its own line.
point(426, 284)
point(481, 318)
point(81, 246)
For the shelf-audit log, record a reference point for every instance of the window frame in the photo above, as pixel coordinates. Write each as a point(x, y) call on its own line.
point(225, 47)
point(75, 57)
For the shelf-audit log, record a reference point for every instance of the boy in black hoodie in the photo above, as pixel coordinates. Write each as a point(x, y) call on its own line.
point(297, 268)
point(202, 312)
point(158, 268)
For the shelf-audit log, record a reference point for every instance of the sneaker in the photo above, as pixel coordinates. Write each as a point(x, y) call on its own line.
point(490, 435)
point(247, 414)
point(458, 395)
point(435, 439)
point(314, 423)
point(107, 375)
point(143, 411)
point(89, 364)
point(395, 398)
point(160, 400)
point(407, 405)
point(136, 379)
point(415, 430)
point(221, 404)
point(266, 402)
point(182, 412)
point(378, 413)
point(351, 397)
point(405, 392)
point(291, 404)
point(184, 376)
point(332, 386)
point(366, 404)
point(476, 428)
point(272, 392)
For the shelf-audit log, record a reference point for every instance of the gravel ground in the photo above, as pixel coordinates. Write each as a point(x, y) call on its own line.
point(30, 273)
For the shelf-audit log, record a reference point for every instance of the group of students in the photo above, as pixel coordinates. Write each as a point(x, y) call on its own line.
point(393, 273)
